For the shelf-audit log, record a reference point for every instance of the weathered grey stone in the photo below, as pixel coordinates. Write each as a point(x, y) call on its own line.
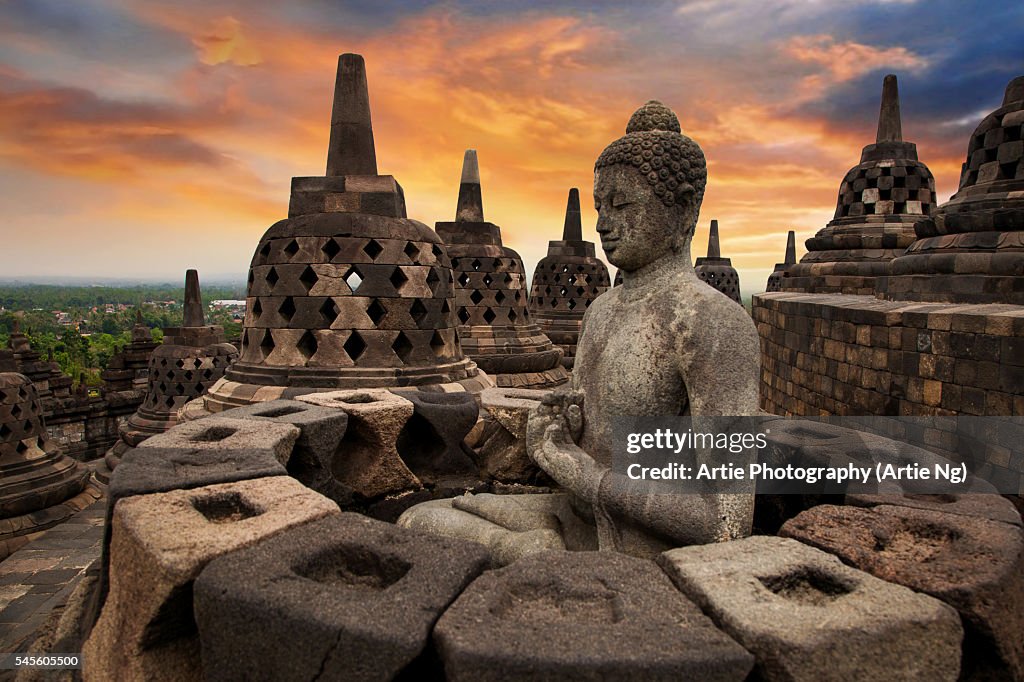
point(159, 544)
point(217, 433)
point(982, 505)
point(432, 443)
point(806, 616)
point(501, 452)
point(973, 564)
point(368, 462)
point(346, 597)
point(582, 616)
point(321, 430)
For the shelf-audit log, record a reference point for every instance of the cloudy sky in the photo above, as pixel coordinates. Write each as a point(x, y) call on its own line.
point(139, 138)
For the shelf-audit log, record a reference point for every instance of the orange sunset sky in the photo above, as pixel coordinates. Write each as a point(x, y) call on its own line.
point(140, 138)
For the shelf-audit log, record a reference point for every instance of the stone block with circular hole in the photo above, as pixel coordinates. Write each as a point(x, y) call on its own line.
point(582, 616)
point(433, 442)
point(346, 597)
point(973, 564)
point(807, 616)
point(368, 462)
point(159, 544)
point(501, 444)
point(156, 470)
point(217, 433)
point(321, 430)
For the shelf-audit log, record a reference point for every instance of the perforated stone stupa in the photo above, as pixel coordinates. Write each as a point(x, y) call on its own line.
point(880, 199)
point(716, 271)
point(39, 485)
point(347, 292)
point(191, 359)
point(128, 369)
point(566, 282)
point(972, 251)
point(775, 279)
point(495, 328)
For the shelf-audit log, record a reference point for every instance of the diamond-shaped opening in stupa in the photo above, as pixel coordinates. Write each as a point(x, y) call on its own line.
point(437, 343)
point(489, 315)
point(287, 309)
point(476, 297)
point(354, 346)
point(272, 277)
point(331, 249)
point(398, 278)
point(329, 312)
point(292, 248)
point(307, 345)
point(373, 249)
point(402, 346)
point(411, 250)
point(376, 312)
point(353, 278)
point(418, 312)
point(308, 278)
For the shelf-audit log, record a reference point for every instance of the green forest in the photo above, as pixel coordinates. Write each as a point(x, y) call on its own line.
point(90, 335)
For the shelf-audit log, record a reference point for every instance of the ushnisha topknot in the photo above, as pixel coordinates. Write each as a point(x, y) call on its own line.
point(671, 162)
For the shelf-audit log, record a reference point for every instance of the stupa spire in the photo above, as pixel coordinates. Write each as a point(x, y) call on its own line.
point(193, 315)
point(790, 248)
point(890, 128)
point(714, 249)
point(573, 230)
point(471, 204)
point(351, 150)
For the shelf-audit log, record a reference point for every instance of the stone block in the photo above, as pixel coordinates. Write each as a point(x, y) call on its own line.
point(159, 544)
point(501, 452)
point(217, 433)
point(582, 616)
point(432, 443)
point(321, 430)
point(972, 564)
point(350, 598)
point(984, 505)
point(806, 616)
point(368, 462)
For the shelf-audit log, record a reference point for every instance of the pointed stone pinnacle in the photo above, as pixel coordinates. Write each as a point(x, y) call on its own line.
point(193, 315)
point(889, 126)
point(471, 203)
point(714, 250)
point(138, 316)
point(791, 248)
point(351, 151)
point(573, 230)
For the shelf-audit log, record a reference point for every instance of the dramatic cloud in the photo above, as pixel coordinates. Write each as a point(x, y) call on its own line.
point(174, 128)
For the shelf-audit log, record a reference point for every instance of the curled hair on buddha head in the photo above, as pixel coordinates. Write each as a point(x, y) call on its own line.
point(654, 145)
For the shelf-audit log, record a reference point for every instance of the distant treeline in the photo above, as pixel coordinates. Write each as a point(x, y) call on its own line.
point(52, 297)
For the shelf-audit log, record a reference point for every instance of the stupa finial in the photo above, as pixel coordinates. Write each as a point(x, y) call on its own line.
point(471, 203)
point(573, 230)
point(889, 126)
point(351, 150)
point(193, 314)
point(714, 249)
point(790, 248)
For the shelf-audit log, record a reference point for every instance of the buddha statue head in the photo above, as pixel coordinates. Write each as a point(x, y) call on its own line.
point(648, 187)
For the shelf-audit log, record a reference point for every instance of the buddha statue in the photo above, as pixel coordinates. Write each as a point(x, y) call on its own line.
point(662, 344)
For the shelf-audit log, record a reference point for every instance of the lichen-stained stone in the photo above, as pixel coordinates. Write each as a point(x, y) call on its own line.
point(501, 450)
point(433, 442)
point(368, 461)
point(159, 545)
point(582, 616)
point(972, 564)
point(983, 505)
point(806, 616)
point(218, 433)
point(321, 430)
point(346, 597)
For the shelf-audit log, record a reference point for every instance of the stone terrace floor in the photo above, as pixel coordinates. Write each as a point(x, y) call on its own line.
point(41, 575)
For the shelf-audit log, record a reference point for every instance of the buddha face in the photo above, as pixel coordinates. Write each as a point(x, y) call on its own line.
point(635, 225)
